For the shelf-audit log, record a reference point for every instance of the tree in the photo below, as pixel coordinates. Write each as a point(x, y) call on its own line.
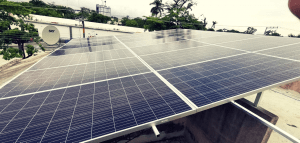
point(131, 23)
point(38, 3)
point(19, 35)
point(210, 29)
point(30, 50)
point(140, 22)
point(84, 12)
point(124, 20)
point(177, 15)
point(291, 35)
point(220, 30)
point(232, 31)
point(214, 23)
point(154, 23)
point(94, 17)
point(250, 30)
point(187, 4)
point(158, 8)
point(272, 33)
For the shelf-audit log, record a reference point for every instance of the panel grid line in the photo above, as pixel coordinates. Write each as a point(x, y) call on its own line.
point(53, 115)
point(16, 114)
point(33, 117)
point(73, 114)
point(191, 104)
point(29, 68)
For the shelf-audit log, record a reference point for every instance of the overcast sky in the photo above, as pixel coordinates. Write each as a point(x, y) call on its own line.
point(225, 12)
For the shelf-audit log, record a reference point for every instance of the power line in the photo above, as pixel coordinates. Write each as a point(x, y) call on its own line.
point(290, 29)
point(36, 7)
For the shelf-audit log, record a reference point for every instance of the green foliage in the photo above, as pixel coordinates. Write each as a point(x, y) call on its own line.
point(210, 29)
point(14, 8)
point(84, 13)
point(158, 8)
point(275, 34)
point(94, 17)
point(131, 23)
point(41, 8)
point(220, 30)
point(177, 16)
point(154, 23)
point(42, 47)
point(233, 31)
point(140, 22)
point(272, 33)
point(291, 35)
point(20, 35)
point(30, 50)
point(250, 30)
point(10, 53)
point(124, 20)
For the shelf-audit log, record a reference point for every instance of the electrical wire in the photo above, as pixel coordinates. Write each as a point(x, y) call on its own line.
point(289, 29)
point(36, 7)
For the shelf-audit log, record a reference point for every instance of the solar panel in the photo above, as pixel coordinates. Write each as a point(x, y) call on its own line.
point(83, 112)
point(47, 79)
point(103, 87)
point(213, 81)
point(291, 51)
point(259, 43)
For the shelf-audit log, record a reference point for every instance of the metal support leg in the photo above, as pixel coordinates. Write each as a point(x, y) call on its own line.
point(258, 99)
point(71, 33)
point(156, 132)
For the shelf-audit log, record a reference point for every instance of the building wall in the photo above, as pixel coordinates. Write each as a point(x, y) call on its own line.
point(228, 124)
point(88, 24)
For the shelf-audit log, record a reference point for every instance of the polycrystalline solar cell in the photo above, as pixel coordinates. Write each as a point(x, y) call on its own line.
point(156, 38)
point(83, 112)
point(216, 80)
point(81, 56)
point(40, 80)
point(260, 43)
point(291, 52)
point(165, 47)
point(89, 48)
point(187, 56)
point(86, 42)
point(216, 38)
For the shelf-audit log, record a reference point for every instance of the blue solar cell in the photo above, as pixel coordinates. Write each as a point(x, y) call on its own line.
point(185, 78)
point(193, 83)
point(204, 80)
point(79, 113)
point(227, 92)
point(215, 77)
point(214, 96)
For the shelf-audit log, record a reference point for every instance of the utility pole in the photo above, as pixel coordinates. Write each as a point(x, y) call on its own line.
point(83, 28)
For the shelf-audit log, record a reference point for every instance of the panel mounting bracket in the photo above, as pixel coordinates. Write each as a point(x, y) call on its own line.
point(258, 99)
point(268, 124)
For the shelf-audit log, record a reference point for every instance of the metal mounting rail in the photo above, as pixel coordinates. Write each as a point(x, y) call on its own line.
point(265, 122)
point(174, 89)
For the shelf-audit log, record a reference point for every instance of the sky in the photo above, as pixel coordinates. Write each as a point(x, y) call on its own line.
point(229, 14)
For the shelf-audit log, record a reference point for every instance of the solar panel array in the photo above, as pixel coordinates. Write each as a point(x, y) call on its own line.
point(91, 89)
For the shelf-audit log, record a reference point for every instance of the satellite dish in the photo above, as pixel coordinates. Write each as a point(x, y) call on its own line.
point(50, 35)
